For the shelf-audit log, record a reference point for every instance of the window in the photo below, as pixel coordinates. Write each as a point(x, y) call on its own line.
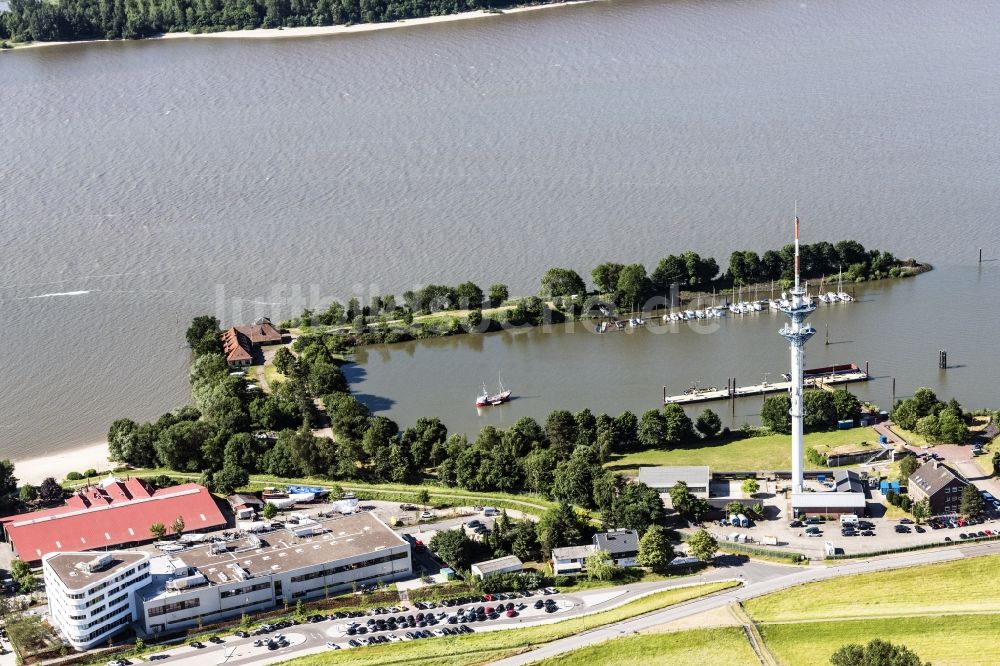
point(174, 607)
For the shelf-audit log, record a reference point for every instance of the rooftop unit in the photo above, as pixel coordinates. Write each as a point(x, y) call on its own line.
point(184, 582)
point(96, 564)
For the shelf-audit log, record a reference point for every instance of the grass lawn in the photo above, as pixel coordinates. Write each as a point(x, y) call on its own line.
point(931, 590)
point(985, 461)
point(271, 375)
point(491, 645)
point(952, 640)
point(696, 647)
point(911, 437)
point(755, 453)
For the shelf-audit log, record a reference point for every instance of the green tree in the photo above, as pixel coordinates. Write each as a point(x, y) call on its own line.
point(876, 653)
point(904, 414)
point(681, 498)
point(626, 432)
point(229, 479)
point(574, 479)
point(157, 530)
point(600, 566)
point(678, 429)
point(655, 550)
point(652, 429)
point(423, 497)
point(846, 404)
point(498, 293)
point(972, 502)
point(708, 423)
point(921, 510)
point(470, 296)
point(179, 446)
point(454, 547)
point(907, 466)
point(821, 412)
point(539, 471)
point(634, 287)
point(285, 362)
point(28, 493)
point(605, 276)
point(562, 282)
point(177, 527)
point(774, 414)
point(702, 545)
point(750, 487)
point(50, 490)
point(951, 427)
point(559, 526)
point(637, 507)
point(561, 431)
point(928, 427)
point(202, 327)
point(269, 511)
point(348, 416)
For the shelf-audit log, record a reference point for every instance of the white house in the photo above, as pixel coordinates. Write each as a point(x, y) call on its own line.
point(570, 559)
point(93, 596)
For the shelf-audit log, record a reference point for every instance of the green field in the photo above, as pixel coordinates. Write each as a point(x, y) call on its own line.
point(488, 646)
point(720, 646)
point(934, 589)
point(950, 640)
point(755, 453)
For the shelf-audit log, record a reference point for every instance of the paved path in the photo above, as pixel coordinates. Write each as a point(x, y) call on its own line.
point(756, 588)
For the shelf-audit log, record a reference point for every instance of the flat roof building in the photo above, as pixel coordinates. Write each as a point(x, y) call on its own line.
point(309, 559)
point(662, 479)
point(110, 515)
point(92, 596)
point(508, 564)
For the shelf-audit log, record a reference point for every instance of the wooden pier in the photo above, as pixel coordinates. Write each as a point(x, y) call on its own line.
point(823, 378)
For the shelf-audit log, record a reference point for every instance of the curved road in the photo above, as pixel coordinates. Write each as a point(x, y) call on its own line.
point(754, 588)
point(758, 578)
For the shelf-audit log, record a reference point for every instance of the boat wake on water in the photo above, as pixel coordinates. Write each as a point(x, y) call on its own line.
point(54, 294)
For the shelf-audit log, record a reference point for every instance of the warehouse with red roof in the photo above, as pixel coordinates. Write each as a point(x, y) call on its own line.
point(112, 514)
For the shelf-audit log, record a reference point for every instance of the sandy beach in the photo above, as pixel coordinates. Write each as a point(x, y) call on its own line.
point(60, 463)
point(319, 31)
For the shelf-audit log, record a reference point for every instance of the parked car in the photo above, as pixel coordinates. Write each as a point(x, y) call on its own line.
point(425, 515)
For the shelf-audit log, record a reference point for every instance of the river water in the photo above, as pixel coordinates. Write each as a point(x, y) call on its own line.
point(144, 183)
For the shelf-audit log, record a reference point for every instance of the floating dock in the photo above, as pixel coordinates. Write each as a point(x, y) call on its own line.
point(823, 378)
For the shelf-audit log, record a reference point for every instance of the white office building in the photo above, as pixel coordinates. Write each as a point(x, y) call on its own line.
point(93, 596)
point(315, 558)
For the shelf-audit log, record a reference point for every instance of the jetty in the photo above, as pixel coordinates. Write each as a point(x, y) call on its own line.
point(822, 378)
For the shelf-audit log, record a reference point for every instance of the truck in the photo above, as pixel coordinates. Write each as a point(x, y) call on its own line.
point(769, 540)
point(849, 519)
point(743, 520)
point(734, 520)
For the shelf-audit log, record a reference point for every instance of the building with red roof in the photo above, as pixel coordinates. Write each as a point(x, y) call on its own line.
point(111, 515)
point(240, 342)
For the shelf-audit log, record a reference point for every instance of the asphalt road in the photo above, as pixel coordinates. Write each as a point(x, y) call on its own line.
point(759, 578)
point(755, 588)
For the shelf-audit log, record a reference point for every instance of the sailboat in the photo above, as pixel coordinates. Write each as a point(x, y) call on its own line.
point(841, 294)
point(498, 398)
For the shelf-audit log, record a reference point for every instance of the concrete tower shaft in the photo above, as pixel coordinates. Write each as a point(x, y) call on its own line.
point(797, 305)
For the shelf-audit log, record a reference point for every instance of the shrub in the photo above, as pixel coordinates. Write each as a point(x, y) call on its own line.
point(74, 476)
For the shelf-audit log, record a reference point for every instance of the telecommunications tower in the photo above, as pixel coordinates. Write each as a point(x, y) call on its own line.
point(797, 306)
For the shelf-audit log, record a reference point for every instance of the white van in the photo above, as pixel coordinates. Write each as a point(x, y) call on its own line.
point(489, 511)
point(848, 519)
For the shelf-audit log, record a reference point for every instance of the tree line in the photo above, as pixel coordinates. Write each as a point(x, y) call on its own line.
point(931, 418)
point(631, 283)
point(43, 20)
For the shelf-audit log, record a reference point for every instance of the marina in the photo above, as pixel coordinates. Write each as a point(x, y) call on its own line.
point(823, 378)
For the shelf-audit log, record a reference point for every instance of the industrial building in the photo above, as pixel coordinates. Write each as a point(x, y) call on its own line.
point(309, 559)
point(110, 515)
point(663, 478)
point(92, 596)
point(508, 564)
